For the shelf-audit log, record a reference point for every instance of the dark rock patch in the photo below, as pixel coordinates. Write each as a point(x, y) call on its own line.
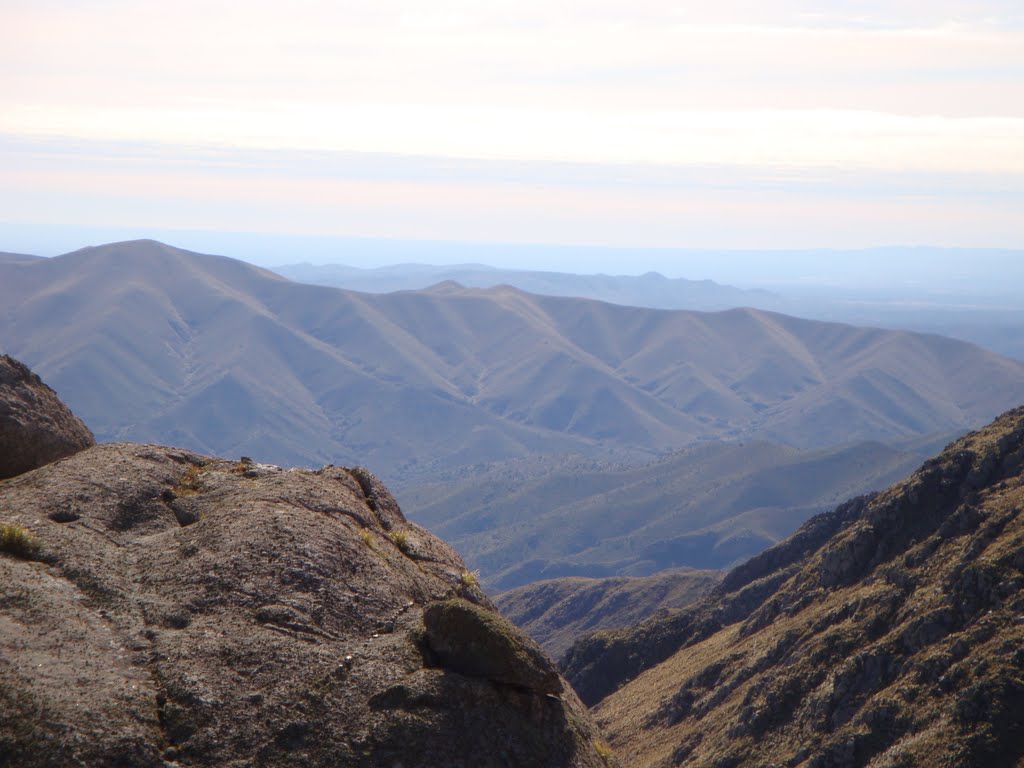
point(35, 426)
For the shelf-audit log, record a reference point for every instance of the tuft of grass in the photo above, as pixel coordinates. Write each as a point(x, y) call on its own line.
point(190, 483)
point(402, 540)
point(366, 536)
point(470, 579)
point(18, 540)
point(604, 751)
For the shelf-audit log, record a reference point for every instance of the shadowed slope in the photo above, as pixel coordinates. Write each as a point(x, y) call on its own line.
point(709, 506)
point(557, 612)
point(35, 426)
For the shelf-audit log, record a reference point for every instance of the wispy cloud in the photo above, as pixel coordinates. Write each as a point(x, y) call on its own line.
point(764, 112)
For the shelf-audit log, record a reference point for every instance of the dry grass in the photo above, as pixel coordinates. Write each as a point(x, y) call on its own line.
point(470, 579)
point(18, 540)
point(191, 483)
point(604, 751)
point(402, 540)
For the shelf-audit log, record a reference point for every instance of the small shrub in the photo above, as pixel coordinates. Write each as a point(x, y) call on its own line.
point(470, 579)
point(401, 540)
point(18, 540)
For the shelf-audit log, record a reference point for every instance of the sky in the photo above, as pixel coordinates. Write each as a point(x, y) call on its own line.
point(776, 124)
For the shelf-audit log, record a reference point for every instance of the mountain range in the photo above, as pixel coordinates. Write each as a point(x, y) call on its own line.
point(145, 340)
point(959, 295)
point(442, 390)
point(649, 290)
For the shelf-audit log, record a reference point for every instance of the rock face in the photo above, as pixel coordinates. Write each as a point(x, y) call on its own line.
point(178, 610)
point(35, 426)
point(889, 633)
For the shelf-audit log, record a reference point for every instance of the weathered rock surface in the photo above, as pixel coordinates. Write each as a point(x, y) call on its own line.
point(188, 611)
point(35, 426)
point(888, 634)
point(482, 643)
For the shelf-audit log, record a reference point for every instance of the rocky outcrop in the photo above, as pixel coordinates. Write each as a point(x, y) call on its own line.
point(179, 610)
point(889, 634)
point(481, 643)
point(35, 426)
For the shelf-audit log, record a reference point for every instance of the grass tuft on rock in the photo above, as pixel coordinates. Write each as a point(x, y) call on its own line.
point(18, 540)
point(402, 540)
point(470, 579)
point(604, 751)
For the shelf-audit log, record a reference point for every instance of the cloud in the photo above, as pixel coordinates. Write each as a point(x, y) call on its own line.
point(372, 195)
point(580, 121)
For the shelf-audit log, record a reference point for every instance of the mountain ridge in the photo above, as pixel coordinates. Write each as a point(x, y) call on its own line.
point(523, 369)
point(650, 289)
point(885, 633)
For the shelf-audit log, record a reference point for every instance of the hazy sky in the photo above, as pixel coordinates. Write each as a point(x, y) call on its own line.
point(734, 124)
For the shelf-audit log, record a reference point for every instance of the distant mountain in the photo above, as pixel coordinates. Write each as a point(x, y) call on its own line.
point(709, 506)
point(976, 307)
point(885, 633)
point(557, 612)
point(151, 343)
point(648, 290)
point(15, 258)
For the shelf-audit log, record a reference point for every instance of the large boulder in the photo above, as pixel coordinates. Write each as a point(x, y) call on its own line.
point(35, 426)
point(179, 610)
point(480, 643)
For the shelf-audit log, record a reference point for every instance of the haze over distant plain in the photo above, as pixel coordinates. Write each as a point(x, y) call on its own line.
point(775, 126)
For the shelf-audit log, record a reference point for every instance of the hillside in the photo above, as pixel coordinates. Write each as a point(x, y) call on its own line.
point(886, 633)
point(709, 506)
point(557, 612)
point(161, 608)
